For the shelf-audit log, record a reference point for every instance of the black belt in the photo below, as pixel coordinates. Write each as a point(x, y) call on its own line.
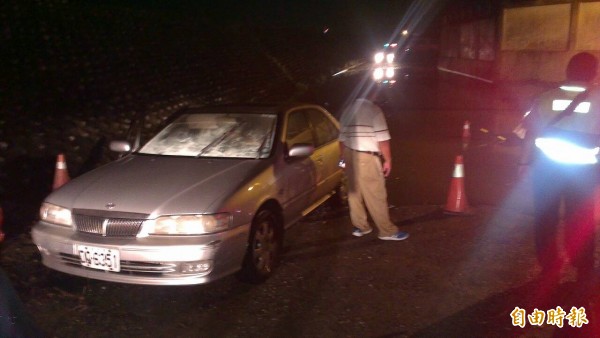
point(367, 152)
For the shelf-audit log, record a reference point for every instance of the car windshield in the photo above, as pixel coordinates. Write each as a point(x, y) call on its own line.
point(215, 135)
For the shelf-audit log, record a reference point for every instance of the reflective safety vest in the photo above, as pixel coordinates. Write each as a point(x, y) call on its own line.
point(575, 137)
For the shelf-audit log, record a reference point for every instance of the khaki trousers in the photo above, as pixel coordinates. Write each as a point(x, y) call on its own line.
point(366, 187)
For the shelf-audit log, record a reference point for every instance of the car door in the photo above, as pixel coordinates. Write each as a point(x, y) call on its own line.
point(300, 176)
point(327, 150)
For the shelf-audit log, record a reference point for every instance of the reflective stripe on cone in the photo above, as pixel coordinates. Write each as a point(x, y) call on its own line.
point(61, 174)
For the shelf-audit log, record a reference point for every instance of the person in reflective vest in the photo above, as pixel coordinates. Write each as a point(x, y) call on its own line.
point(561, 148)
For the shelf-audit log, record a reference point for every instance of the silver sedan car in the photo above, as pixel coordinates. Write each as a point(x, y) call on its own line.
point(209, 195)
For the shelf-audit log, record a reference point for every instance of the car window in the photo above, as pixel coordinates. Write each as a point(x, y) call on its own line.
point(215, 135)
point(325, 130)
point(298, 129)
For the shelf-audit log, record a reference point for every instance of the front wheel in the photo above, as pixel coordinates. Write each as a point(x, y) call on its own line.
point(262, 254)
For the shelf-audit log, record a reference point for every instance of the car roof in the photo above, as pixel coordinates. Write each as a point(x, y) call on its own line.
point(262, 108)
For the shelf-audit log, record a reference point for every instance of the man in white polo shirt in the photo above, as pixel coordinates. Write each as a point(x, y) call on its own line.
point(365, 148)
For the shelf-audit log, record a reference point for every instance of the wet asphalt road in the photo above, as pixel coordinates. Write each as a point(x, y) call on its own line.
point(456, 276)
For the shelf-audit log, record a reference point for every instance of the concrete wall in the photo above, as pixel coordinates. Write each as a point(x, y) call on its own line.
point(537, 42)
point(533, 41)
point(469, 48)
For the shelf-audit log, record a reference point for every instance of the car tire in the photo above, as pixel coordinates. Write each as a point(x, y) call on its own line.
point(264, 247)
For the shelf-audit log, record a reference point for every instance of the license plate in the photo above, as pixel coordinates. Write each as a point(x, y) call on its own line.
point(99, 258)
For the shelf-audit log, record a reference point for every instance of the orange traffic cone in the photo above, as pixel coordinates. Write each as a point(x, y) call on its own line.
point(457, 199)
point(61, 175)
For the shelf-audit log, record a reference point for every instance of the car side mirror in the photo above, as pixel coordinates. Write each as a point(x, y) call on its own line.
point(301, 150)
point(120, 146)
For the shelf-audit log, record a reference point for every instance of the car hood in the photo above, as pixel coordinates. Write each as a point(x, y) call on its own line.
point(157, 185)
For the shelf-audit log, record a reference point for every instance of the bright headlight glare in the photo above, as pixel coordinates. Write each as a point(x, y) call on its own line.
point(389, 73)
point(566, 152)
point(378, 74)
point(55, 214)
point(390, 58)
point(379, 57)
point(185, 225)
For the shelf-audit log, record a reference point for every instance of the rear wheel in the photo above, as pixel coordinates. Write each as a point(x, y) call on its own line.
point(262, 255)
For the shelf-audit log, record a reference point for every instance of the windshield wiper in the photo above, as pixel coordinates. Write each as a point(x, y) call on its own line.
point(264, 140)
point(218, 140)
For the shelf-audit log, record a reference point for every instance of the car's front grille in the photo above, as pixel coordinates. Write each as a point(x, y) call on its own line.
point(127, 267)
point(107, 226)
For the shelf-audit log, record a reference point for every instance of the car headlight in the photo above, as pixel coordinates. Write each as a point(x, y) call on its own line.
point(55, 214)
point(379, 57)
point(390, 57)
point(389, 73)
point(378, 74)
point(185, 225)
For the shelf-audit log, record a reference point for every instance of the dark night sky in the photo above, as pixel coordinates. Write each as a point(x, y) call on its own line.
point(365, 19)
point(370, 23)
point(293, 12)
point(66, 41)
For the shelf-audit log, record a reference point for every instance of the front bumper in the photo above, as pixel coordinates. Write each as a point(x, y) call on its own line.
point(157, 260)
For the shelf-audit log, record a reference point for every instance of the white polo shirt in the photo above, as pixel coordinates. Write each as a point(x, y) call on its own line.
point(363, 126)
